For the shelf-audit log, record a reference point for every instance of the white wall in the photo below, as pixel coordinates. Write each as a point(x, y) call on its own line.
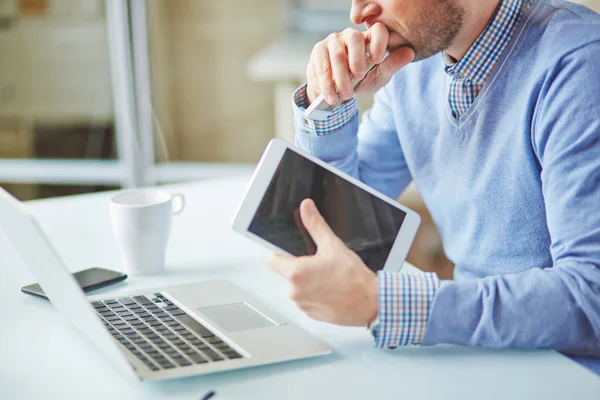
point(593, 4)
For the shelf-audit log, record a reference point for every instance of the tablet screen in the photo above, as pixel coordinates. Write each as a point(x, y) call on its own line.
point(365, 223)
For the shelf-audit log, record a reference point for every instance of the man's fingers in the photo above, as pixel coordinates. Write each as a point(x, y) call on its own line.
point(282, 265)
point(312, 87)
point(322, 63)
point(355, 42)
point(314, 223)
point(395, 61)
point(311, 249)
point(378, 37)
point(339, 66)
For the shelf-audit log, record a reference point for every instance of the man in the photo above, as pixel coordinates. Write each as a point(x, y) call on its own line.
point(499, 126)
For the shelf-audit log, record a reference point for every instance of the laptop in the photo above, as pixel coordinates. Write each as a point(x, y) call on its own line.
point(164, 333)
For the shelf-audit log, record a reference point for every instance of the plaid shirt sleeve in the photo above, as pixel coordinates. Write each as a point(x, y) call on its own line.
point(405, 302)
point(338, 118)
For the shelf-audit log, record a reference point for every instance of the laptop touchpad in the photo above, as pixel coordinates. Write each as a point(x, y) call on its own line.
point(237, 317)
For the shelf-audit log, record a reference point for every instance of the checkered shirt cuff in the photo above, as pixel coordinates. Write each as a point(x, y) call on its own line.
point(338, 118)
point(405, 302)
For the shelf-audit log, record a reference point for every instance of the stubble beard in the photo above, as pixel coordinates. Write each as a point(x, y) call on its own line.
point(435, 31)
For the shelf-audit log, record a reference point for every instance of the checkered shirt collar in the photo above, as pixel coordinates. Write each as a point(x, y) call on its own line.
point(477, 64)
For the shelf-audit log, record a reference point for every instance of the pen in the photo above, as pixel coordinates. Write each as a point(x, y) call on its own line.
point(208, 395)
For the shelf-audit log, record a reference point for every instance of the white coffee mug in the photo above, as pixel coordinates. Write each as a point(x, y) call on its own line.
point(141, 223)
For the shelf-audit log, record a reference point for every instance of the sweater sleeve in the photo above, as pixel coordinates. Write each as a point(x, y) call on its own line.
point(549, 306)
point(371, 153)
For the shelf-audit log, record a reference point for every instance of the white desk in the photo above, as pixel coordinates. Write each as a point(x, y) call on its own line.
point(41, 357)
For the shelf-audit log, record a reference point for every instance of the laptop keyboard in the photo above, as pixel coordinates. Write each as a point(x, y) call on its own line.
point(160, 334)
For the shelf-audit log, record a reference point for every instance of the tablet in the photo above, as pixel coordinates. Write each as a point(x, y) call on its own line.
point(374, 226)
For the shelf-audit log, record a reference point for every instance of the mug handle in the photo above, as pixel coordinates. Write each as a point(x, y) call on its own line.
point(178, 198)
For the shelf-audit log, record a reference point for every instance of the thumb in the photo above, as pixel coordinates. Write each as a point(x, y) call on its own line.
point(395, 61)
point(314, 223)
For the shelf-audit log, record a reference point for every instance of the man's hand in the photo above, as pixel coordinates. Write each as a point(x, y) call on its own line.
point(334, 285)
point(341, 57)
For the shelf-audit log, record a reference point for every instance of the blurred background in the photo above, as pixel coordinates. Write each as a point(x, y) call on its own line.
point(107, 94)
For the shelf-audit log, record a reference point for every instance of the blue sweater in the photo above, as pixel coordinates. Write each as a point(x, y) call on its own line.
point(513, 185)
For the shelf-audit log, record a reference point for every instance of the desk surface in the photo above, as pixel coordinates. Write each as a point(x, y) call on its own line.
point(41, 357)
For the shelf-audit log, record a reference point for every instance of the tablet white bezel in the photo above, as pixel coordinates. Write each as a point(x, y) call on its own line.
point(261, 179)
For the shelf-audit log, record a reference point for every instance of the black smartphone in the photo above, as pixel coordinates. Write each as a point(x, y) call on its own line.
point(88, 279)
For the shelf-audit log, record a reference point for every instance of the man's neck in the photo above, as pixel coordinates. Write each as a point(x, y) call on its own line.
point(478, 16)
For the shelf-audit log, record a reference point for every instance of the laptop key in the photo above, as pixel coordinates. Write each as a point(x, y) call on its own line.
point(182, 362)
point(142, 300)
point(177, 312)
point(126, 300)
point(212, 355)
point(124, 313)
point(197, 358)
point(97, 304)
point(214, 340)
point(232, 355)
